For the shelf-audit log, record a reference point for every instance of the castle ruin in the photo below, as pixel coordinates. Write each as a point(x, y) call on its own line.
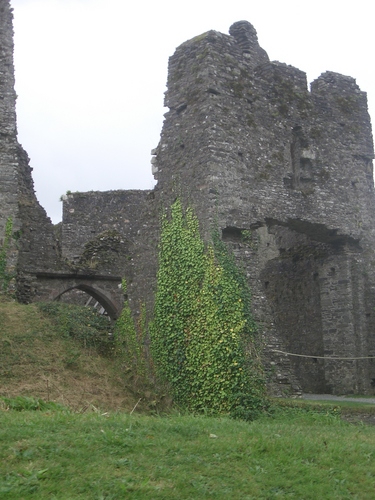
point(285, 172)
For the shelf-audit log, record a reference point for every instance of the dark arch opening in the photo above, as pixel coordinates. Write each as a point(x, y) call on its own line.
point(111, 308)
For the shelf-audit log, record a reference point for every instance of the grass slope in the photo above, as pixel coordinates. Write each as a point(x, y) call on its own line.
point(296, 454)
point(302, 450)
point(37, 360)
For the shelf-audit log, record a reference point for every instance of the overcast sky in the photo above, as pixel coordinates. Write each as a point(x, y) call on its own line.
point(91, 75)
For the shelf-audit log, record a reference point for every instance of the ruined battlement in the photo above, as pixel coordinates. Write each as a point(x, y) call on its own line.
point(281, 144)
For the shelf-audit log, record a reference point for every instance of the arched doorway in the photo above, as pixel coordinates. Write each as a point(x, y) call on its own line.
point(82, 294)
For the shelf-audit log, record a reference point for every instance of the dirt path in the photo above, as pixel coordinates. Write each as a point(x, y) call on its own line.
point(352, 415)
point(330, 397)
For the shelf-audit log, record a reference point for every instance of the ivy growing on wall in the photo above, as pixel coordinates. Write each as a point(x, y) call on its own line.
point(181, 272)
point(5, 276)
point(202, 335)
point(128, 339)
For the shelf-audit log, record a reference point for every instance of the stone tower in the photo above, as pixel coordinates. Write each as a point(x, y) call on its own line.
point(287, 173)
point(8, 137)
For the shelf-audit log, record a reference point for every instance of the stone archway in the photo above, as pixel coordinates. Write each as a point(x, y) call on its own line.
point(105, 289)
point(316, 297)
point(99, 295)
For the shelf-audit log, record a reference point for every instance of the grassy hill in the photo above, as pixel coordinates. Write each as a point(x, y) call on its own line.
point(41, 356)
point(64, 355)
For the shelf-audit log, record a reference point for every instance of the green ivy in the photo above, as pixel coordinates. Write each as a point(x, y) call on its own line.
point(181, 271)
point(202, 336)
point(129, 338)
point(249, 396)
point(214, 354)
point(5, 276)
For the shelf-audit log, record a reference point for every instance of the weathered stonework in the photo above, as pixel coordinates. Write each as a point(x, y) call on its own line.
point(256, 150)
point(285, 172)
point(8, 131)
point(35, 243)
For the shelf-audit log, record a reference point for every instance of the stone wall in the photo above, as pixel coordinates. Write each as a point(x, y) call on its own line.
point(116, 233)
point(86, 215)
point(251, 147)
point(8, 131)
point(36, 245)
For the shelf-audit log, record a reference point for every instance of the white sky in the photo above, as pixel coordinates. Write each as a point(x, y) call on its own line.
point(91, 75)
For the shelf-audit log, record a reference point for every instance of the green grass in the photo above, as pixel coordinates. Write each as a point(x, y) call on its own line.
point(303, 450)
point(296, 453)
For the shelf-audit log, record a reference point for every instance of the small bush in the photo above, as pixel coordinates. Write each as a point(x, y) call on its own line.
point(80, 323)
point(22, 403)
point(129, 341)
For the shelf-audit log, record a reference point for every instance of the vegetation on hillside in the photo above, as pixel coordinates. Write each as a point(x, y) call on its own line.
point(65, 353)
point(202, 334)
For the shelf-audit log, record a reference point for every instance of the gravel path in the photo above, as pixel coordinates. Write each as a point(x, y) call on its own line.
point(330, 397)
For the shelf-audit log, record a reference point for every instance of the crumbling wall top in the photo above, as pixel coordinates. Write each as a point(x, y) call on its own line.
point(246, 36)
